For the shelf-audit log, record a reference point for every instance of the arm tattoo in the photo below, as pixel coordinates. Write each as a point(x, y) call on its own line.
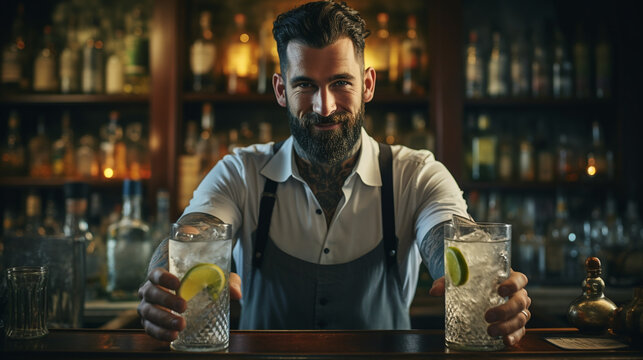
point(326, 182)
point(432, 250)
point(160, 256)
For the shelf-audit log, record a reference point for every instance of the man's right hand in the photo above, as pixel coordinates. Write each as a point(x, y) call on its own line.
point(156, 303)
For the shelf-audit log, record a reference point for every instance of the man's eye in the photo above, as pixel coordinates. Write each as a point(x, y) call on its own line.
point(304, 85)
point(341, 83)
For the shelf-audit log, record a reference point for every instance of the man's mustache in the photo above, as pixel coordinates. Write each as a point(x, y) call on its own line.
point(316, 119)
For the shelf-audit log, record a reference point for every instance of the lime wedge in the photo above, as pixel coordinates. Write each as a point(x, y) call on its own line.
point(456, 266)
point(200, 277)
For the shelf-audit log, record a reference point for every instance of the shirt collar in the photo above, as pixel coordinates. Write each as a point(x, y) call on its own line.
point(282, 164)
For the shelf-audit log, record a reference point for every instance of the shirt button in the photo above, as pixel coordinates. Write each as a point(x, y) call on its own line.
point(318, 211)
point(323, 301)
point(326, 250)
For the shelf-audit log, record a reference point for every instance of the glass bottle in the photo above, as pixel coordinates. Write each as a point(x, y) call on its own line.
point(506, 154)
point(268, 56)
point(378, 50)
point(87, 164)
point(115, 65)
point(113, 149)
point(539, 74)
point(161, 227)
point(207, 148)
point(413, 59)
point(420, 137)
point(93, 60)
point(241, 66)
point(532, 248)
point(44, 72)
point(603, 65)
point(40, 152)
point(14, 54)
point(497, 68)
point(390, 131)
point(474, 68)
point(596, 164)
point(591, 311)
point(69, 60)
point(544, 154)
point(265, 132)
point(50, 222)
point(627, 320)
point(556, 242)
point(128, 246)
point(526, 162)
point(137, 52)
point(565, 160)
point(203, 55)
point(519, 68)
point(581, 64)
point(138, 165)
point(483, 151)
point(562, 69)
point(33, 215)
point(63, 150)
point(12, 154)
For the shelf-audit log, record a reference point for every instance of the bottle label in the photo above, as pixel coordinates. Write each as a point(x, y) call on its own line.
point(11, 69)
point(137, 56)
point(45, 74)
point(114, 75)
point(202, 57)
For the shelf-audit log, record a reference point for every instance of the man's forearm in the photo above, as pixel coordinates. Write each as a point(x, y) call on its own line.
point(160, 256)
point(432, 250)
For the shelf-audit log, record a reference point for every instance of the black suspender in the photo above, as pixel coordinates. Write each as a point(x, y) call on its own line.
point(388, 212)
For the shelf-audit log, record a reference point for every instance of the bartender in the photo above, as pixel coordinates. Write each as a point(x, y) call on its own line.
point(330, 226)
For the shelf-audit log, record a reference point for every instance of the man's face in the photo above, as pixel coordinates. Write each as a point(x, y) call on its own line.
point(324, 94)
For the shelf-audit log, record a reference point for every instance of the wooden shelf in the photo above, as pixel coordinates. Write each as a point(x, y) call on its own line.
point(535, 186)
point(537, 102)
point(27, 181)
point(71, 99)
point(381, 98)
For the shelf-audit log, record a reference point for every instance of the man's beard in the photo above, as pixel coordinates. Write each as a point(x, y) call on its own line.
point(327, 146)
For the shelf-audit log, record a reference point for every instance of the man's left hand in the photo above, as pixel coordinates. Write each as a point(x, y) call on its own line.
point(509, 319)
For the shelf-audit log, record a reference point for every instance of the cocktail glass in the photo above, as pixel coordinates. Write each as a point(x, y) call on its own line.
point(477, 260)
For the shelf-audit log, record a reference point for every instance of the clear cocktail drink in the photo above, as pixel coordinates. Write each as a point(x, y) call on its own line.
point(477, 260)
point(200, 256)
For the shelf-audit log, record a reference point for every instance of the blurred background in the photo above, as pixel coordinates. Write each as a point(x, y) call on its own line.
point(534, 107)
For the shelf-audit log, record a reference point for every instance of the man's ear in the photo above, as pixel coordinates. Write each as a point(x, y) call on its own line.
point(369, 84)
point(279, 86)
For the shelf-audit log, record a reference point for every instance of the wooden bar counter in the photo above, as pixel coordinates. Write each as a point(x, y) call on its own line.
point(425, 344)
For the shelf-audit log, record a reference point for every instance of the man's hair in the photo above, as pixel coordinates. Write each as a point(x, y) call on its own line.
point(319, 24)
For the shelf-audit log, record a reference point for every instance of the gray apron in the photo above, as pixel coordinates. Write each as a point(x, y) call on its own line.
point(285, 292)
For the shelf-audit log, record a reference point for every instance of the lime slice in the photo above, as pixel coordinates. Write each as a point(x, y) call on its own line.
point(200, 277)
point(456, 266)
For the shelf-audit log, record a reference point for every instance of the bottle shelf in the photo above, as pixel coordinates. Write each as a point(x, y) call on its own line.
point(27, 181)
point(383, 98)
point(537, 102)
point(71, 99)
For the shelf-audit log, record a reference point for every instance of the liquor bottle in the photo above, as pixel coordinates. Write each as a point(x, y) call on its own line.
point(233, 140)
point(93, 60)
point(378, 50)
point(96, 264)
point(581, 64)
point(497, 68)
point(544, 154)
point(615, 240)
point(483, 151)
point(113, 149)
point(12, 154)
point(33, 215)
point(240, 69)
point(519, 68)
point(40, 152)
point(420, 137)
point(128, 246)
point(591, 311)
point(556, 242)
point(628, 319)
point(77, 227)
point(207, 149)
point(63, 150)
point(203, 55)
point(44, 72)
point(562, 69)
point(265, 132)
point(506, 154)
point(413, 59)
point(247, 137)
point(115, 66)
point(474, 68)
point(189, 166)
point(14, 54)
point(596, 164)
point(526, 160)
point(87, 164)
point(137, 53)
point(50, 222)
point(565, 160)
point(69, 60)
point(138, 165)
point(161, 227)
point(391, 136)
point(603, 65)
point(539, 74)
point(531, 251)
point(268, 56)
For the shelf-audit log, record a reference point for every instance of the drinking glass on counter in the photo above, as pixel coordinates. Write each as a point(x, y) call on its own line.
point(27, 288)
point(477, 259)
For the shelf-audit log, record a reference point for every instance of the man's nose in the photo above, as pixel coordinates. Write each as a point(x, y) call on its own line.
point(324, 102)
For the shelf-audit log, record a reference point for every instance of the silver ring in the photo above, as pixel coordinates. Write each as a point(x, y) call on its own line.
point(525, 313)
